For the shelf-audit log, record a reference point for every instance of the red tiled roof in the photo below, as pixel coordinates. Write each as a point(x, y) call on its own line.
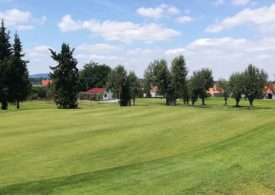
point(46, 82)
point(269, 89)
point(213, 90)
point(95, 90)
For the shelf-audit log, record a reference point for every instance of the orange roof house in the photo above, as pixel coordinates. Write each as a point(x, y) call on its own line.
point(214, 91)
point(46, 82)
point(269, 89)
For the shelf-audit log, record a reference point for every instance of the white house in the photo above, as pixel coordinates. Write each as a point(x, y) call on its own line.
point(98, 94)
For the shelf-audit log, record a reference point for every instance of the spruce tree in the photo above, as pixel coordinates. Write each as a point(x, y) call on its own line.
point(19, 83)
point(65, 78)
point(5, 53)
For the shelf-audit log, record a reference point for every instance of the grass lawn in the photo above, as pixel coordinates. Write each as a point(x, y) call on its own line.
point(145, 149)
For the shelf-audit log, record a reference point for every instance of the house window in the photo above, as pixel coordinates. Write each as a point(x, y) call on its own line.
point(105, 95)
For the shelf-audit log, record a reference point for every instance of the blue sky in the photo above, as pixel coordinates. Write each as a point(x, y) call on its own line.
point(225, 35)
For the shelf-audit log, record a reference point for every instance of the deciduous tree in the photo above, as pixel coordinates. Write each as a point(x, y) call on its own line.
point(201, 81)
point(94, 75)
point(119, 84)
point(225, 89)
point(237, 87)
point(254, 81)
point(178, 76)
point(135, 86)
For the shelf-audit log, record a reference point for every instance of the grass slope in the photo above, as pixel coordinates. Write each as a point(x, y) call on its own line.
point(145, 149)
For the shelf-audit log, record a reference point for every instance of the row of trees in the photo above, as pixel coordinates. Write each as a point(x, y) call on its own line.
point(14, 78)
point(248, 84)
point(125, 86)
point(68, 81)
point(173, 84)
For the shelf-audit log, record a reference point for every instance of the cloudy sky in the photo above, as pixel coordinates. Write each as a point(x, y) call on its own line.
point(225, 35)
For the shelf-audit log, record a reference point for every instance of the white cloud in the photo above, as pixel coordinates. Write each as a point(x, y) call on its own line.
point(39, 51)
point(141, 52)
point(263, 18)
point(68, 24)
point(40, 59)
point(158, 12)
point(227, 55)
point(175, 51)
point(223, 55)
point(22, 20)
point(150, 12)
point(184, 19)
point(120, 31)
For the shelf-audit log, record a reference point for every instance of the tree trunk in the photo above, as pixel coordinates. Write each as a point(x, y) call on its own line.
point(17, 104)
point(4, 105)
point(134, 101)
point(251, 102)
point(237, 102)
point(193, 103)
point(173, 102)
point(225, 100)
point(202, 100)
point(167, 102)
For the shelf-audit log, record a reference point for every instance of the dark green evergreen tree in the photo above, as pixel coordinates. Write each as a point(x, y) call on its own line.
point(5, 53)
point(19, 84)
point(65, 78)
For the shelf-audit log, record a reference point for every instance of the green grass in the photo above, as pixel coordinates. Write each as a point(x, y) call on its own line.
point(145, 149)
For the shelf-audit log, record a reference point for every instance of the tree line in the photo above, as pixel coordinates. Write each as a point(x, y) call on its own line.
point(174, 84)
point(171, 81)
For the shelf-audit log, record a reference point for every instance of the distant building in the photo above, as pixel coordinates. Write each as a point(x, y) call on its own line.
point(97, 94)
point(269, 92)
point(153, 92)
point(214, 91)
point(46, 82)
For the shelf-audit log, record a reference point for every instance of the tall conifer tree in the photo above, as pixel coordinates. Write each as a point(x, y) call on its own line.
point(5, 53)
point(65, 78)
point(19, 83)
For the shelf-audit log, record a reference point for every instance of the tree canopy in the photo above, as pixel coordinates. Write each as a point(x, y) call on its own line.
point(201, 81)
point(94, 75)
point(254, 81)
